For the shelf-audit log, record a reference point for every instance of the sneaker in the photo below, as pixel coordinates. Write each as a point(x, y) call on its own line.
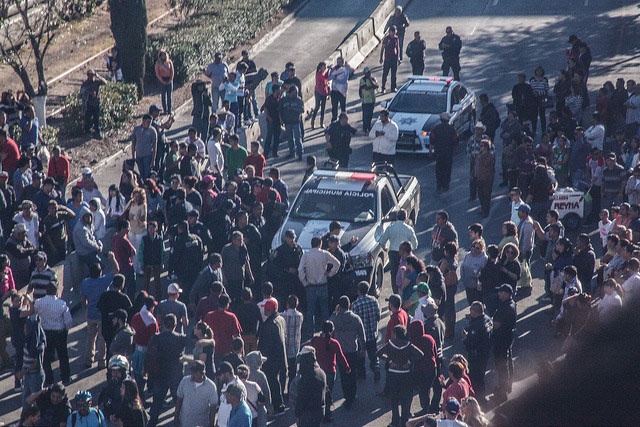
point(18, 389)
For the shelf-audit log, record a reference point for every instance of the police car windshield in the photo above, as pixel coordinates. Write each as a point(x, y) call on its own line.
point(340, 205)
point(419, 102)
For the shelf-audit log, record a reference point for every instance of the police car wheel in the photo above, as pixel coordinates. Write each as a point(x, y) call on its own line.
point(378, 279)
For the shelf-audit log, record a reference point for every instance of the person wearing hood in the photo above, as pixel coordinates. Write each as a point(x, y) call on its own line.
point(98, 218)
point(402, 357)
point(434, 327)
point(425, 368)
point(53, 404)
point(35, 342)
point(311, 388)
point(20, 251)
point(476, 339)
point(254, 361)
point(444, 139)
point(349, 331)
point(271, 343)
point(87, 245)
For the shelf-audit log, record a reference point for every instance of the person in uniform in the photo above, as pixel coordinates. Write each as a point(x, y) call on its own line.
point(444, 138)
point(504, 322)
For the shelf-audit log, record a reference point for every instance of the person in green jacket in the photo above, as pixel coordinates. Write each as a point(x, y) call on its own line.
point(236, 156)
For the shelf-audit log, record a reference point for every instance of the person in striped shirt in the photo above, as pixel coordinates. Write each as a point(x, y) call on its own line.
point(41, 277)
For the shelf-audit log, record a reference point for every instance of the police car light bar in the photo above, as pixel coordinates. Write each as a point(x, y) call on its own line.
point(432, 79)
point(359, 176)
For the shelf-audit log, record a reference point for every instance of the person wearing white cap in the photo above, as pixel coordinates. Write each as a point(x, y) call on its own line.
point(473, 149)
point(171, 305)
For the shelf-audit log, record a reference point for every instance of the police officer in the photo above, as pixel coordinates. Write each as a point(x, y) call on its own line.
point(285, 269)
point(338, 137)
point(185, 258)
point(336, 282)
point(450, 46)
point(504, 322)
point(476, 339)
point(444, 139)
point(334, 229)
point(196, 227)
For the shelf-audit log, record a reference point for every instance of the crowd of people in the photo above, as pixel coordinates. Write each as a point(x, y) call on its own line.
point(242, 331)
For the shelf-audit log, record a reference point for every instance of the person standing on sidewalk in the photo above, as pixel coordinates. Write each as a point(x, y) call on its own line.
point(385, 135)
point(321, 92)
point(90, 95)
point(165, 73)
point(339, 76)
point(367, 308)
point(56, 321)
point(316, 266)
point(367, 92)
point(450, 46)
point(401, 22)
point(415, 52)
point(144, 145)
point(389, 57)
point(349, 332)
point(272, 114)
point(217, 71)
point(395, 234)
point(291, 109)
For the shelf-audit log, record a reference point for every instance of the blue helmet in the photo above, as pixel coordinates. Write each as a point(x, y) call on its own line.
point(83, 396)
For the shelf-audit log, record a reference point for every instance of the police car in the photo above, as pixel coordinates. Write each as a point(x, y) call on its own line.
point(417, 106)
point(365, 203)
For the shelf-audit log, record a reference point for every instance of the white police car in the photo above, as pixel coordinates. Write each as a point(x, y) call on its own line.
point(417, 106)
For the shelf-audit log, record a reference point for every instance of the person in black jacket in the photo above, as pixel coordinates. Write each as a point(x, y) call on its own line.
point(338, 138)
point(311, 388)
point(284, 270)
point(490, 279)
point(524, 99)
point(489, 116)
point(415, 52)
point(450, 46)
point(185, 259)
point(444, 138)
point(504, 323)
point(585, 261)
point(434, 326)
point(476, 340)
point(271, 344)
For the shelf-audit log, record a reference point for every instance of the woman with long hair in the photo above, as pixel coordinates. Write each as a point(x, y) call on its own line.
point(472, 413)
point(165, 73)
point(456, 386)
point(204, 348)
point(414, 267)
point(131, 411)
point(448, 266)
point(115, 206)
point(509, 234)
point(128, 183)
point(321, 92)
point(510, 268)
point(327, 350)
point(137, 215)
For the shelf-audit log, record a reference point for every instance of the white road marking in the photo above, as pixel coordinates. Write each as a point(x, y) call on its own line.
point(495, 2)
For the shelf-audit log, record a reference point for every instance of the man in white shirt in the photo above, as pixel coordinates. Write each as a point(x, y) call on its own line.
point(595, 133)
point(214, 149)
point(516, 201)
point(313, 273)
point(226, 376)
point(631, 286)
point(385, 135)
point(192, 138)
point(197, 398)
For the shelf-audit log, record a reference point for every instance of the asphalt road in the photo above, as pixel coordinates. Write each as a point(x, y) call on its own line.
point(500, 38)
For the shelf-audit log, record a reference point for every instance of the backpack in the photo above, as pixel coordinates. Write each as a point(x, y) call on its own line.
point(95, 411)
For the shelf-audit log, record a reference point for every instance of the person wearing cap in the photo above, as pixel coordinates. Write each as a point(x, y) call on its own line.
point(384, 134)
point(197, 227)
point(197, 398)
point(167, 349)
point(226, 378)
point(415, 52)
point(504, 323)
point(90, 96)
point(444, 139)
point(367, 92)
point(91, 290)
point(185, 258)
point(473, 151)
point(144, 145)
point(349, 332)
point(614, 179)
point(85, 415)
point(286, 260)
point(171, 305)
point(338, 139)
point(20, 251)
point(122, 341)
point(48, 193)
point(421, 295)
point(271, 343)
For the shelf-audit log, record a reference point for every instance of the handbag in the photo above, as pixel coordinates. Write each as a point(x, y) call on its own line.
point(525, 280)
point(557, 285)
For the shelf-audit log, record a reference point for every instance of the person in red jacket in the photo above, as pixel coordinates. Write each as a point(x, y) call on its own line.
point(327, 350)
point(146, 326)
point(256, 159)
point(225, 327)
point(458, 387)
point(398, 315)
point(59, 170)
point(425, 368)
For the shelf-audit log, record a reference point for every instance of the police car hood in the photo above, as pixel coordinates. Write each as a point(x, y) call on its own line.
point(417, 122)
point(308, 229)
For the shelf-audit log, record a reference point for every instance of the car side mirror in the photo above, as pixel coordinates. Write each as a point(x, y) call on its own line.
point(456, 108)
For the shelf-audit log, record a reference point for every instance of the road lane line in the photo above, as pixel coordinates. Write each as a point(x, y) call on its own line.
point(495, 2)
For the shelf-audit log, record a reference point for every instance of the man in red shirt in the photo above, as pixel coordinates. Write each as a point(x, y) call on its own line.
point(389, 57)
point(9, 152)
point(59, 169)
point(225, 327)
point(124, 252)
point(398, 315)
point(256, 159)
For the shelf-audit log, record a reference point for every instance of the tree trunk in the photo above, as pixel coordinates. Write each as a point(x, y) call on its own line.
point(40, 105)
point(129, 29)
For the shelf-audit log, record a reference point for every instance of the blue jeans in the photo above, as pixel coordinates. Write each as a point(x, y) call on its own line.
point(272, 140)
point(32, 383)
point(216, 97)
point(144, 166)
point(293, 134)
point(165, 93)
point(201, 125)
point(160, 388)
point(234, 108)
point(317, 296)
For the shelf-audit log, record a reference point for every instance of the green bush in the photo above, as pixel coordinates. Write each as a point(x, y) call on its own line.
point(117, 102)
point(220, 26)
point(49, 135)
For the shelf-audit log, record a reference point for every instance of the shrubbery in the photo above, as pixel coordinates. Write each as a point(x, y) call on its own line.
point(220, 26)
point(117, 101)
